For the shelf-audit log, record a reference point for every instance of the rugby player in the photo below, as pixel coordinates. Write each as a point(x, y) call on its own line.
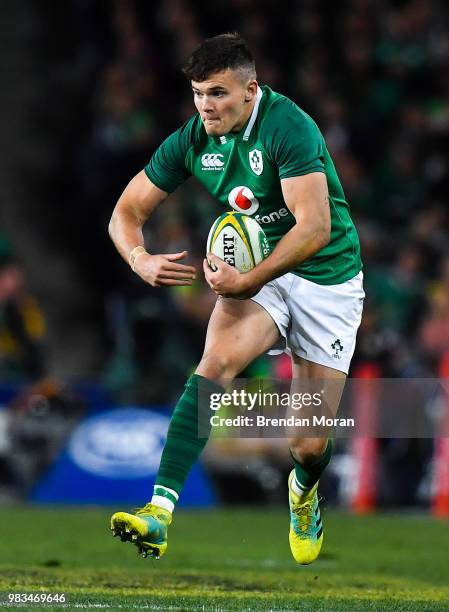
point(256, 151)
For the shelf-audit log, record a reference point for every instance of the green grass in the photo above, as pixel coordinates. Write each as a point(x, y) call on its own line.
point(226, 560)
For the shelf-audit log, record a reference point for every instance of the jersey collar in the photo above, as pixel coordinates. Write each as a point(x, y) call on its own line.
point(252, 119)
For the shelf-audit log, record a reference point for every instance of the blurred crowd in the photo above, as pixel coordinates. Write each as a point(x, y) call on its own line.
point(374, 74)
point(375, 77)
point(22, 326)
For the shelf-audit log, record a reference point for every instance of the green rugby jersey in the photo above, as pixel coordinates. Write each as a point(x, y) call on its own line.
point(243, 171)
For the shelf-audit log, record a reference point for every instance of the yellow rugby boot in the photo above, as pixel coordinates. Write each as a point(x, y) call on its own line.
point(147, 529)
point(306, 530)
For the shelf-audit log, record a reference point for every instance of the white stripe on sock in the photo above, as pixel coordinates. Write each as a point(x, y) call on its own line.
point(163, 502)
point(298, 488)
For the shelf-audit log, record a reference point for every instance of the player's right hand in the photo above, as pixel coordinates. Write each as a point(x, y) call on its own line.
point(163, 270)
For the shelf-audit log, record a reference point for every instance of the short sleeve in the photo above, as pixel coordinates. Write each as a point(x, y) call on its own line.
point(167, 167)
point(294, 141)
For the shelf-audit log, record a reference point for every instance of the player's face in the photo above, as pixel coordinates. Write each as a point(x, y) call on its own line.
point(224, 101)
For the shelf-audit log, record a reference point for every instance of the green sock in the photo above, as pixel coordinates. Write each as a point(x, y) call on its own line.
point(190, 420)
point(307, 476)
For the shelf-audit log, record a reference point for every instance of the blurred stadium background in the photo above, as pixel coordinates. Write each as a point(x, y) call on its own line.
point(90, 88)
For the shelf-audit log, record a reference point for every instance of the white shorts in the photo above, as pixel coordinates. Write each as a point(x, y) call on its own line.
point(316, 322)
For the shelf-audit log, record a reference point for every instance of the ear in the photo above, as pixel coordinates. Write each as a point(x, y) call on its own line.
point(251, 90)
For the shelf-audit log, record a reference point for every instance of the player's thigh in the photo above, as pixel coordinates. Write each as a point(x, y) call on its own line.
point(238, 332)
point(329, 383)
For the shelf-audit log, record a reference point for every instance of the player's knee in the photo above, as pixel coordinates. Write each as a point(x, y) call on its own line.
point(308, 450)
point(217, 366)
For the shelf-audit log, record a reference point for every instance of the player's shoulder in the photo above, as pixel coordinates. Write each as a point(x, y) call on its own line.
point(190, 132)
point(282, 113)
point(167, 167)
point(289, 136)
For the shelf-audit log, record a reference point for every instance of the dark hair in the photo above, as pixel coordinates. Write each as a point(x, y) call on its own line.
point(219, 53)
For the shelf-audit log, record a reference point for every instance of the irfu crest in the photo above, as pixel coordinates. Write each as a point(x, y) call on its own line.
point(256, 161)
point(337, 346)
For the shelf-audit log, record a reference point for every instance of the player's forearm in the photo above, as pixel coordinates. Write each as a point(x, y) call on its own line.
point(298, 245)
point(125, 230)
point(132, 210)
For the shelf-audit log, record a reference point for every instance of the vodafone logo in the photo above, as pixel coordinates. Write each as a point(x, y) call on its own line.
point(212, 161)
point(243, 199)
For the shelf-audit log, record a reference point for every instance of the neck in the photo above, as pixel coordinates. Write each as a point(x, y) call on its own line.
point(246, 115)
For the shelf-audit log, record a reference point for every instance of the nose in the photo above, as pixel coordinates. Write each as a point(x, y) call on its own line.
point(206, 105)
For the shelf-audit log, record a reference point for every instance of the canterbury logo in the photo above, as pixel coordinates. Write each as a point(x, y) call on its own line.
point(212, 161)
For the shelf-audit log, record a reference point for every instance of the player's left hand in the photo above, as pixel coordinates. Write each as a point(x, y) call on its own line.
point(227, 281)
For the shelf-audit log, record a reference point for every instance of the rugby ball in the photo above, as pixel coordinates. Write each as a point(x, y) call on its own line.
point(239, 240)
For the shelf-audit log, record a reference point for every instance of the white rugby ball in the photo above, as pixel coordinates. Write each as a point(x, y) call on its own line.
point(239, 240)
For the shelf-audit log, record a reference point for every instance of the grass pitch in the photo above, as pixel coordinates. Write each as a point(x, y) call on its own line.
point(225, 560)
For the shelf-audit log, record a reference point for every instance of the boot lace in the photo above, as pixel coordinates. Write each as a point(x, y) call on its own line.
point(304, 518)
point(147, 509)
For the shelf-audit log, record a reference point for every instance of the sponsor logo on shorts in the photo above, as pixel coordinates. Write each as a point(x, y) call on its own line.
point(243, 199)
point(337, 347)
point(256, 161)
point(212, 161)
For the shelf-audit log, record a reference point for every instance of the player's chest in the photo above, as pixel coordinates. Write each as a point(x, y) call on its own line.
point(236, 173)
